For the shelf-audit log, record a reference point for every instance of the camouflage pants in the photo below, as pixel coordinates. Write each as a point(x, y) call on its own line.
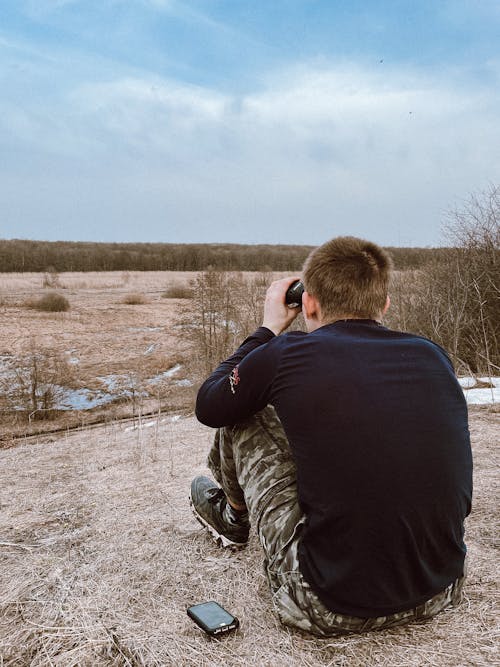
point(253, 464)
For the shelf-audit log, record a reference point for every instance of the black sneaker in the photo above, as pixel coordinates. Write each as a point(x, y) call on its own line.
point(209, 504)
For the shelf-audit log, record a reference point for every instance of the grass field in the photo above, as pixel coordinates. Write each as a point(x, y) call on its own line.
point(101, 341)
point(122, 347)
point(99, 553)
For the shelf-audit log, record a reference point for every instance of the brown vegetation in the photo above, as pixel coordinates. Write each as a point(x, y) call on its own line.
point(179, 292)
point(100, 337)
point(205, 317)
point(455, 301)
point(67, 256)
point(62, 256)
point(134, 299)
point(50, 303)
point(31, 388)
point(226, 307)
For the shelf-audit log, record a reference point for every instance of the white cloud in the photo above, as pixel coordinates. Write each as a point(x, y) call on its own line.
point(350, 109)
point(318, 150)
point(144, 95)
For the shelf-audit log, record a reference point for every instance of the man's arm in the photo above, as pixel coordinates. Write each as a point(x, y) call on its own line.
point(241, 385)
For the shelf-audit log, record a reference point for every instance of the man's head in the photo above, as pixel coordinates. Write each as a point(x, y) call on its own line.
point(348, 277)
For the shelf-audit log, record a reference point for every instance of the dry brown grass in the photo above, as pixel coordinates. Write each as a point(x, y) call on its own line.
point(100, 557)
point(179, 292)
point(100, 336)
point(135, 299)
point(53, 302)
point(96, 280)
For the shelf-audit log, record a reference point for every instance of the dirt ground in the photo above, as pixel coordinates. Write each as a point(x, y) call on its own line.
point(100, 556)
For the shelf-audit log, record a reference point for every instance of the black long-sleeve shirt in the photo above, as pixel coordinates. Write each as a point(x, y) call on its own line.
point(378, 429)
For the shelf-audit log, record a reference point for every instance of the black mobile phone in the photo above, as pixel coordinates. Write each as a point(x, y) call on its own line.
point(293, 296)
point(212, 618)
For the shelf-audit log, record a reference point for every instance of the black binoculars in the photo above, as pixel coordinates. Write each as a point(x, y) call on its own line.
point(293, 296)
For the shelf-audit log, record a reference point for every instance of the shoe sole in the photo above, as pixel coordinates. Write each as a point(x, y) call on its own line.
point(219, 539)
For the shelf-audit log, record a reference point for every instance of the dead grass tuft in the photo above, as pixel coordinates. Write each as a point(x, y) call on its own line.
point(178, 292)
point(135, 299)
point(50, 303)
point(100, 557)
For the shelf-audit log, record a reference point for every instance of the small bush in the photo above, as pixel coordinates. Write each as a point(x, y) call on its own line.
point(134, 299)
point(31, 383)
point(50, 303)
point(225, 308)
point(51, 278)
point(454, 299)
point(178, 292)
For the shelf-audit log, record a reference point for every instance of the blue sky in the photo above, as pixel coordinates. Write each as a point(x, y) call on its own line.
point(287, 121)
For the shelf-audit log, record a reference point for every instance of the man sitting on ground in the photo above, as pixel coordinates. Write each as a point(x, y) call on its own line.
point(347, 447)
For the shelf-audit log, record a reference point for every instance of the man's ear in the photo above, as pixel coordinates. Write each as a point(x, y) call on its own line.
point(387, 304)
point(310, 306)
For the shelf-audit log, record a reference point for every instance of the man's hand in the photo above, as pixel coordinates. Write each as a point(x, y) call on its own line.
point(277, 315)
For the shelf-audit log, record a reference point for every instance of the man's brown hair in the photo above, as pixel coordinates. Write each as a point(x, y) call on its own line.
point(349, 277)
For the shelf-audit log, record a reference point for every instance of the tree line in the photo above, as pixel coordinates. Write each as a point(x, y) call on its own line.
point(18, 255)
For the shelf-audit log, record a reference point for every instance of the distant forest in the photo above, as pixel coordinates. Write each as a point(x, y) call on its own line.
point(24, 256)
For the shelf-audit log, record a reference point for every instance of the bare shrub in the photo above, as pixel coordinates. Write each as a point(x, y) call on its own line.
point(179, 292)
point(134, 299)
point(213, 311)
point(50, 303)
point(226, 307)
point(32, 382)
point(454, 300)
point(51, 278)
point(475, 228)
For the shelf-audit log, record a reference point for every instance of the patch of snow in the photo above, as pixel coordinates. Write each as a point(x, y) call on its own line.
point(166, 374)
point(115, 382)
point(79, 399)
point(186, 326)
point(149, 424)
point(7, 371)
point(145, 328)
point(141, 425)
point(183, 383)
point(480, 395)
point(231, 325)
point(72, 358)
point(467, 382)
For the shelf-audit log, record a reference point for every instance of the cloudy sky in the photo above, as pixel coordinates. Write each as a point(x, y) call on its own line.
point(248, 121)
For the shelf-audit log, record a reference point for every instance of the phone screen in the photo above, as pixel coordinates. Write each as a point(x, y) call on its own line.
point(212, 614)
